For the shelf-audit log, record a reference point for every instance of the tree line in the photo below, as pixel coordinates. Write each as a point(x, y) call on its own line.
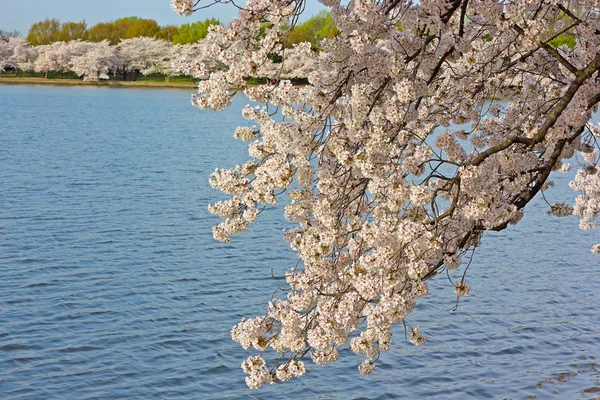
point(52, 30)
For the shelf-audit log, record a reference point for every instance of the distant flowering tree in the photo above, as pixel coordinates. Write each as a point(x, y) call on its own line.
point(24, 56)
point(13, 52)
point(194, 60)
point(148, 55)
point(396, 157)
point(6, 54)
point(100, 59)
point(57, 56)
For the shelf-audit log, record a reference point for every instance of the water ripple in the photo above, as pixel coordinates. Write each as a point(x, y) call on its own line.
point(112, 287)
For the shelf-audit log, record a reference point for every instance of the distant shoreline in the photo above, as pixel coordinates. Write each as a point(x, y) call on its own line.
point(105, 83)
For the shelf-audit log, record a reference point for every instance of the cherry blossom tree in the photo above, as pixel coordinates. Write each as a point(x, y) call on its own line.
point(148, 55)
point(57, 56)
point(6, 54)
point(15, 53)
point(396, 158)
point(194, 60)
point(96, 63)
point(24, 55)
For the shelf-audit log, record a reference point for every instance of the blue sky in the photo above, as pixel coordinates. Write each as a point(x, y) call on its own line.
point(21, 14)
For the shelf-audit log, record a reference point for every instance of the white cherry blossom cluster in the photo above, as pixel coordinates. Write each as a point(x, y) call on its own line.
point(7, 52)
point(97, 62)
point(58, 56)
point(396, 158)
point(257, 371)
point(183, 7)
point(587, 205)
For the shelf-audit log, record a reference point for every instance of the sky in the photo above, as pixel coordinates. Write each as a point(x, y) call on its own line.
point(21, 14)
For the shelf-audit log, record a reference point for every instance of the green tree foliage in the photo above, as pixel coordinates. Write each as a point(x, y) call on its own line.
point(51, 30)
point(104, 31)
point(122, 25)
point(168, 32)
point(72, 31)
point(191, 33)
point(123, 28)
point(111, 31)
point(314, 30)
point(44, 32)
point(564, 40)
point(143, 27)
point(568, 38)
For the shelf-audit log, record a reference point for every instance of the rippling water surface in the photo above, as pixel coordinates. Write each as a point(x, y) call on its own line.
point(111, 285)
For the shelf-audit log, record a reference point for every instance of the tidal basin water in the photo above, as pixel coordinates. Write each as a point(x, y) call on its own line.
point(111, 286)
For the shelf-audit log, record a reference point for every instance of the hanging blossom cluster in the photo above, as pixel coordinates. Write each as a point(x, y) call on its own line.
point(183, 7)
point(395, 157)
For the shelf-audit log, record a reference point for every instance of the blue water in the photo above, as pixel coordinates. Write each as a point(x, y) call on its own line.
point(111, 286)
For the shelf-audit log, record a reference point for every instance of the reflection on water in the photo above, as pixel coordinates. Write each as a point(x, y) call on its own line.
point(112, 287)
